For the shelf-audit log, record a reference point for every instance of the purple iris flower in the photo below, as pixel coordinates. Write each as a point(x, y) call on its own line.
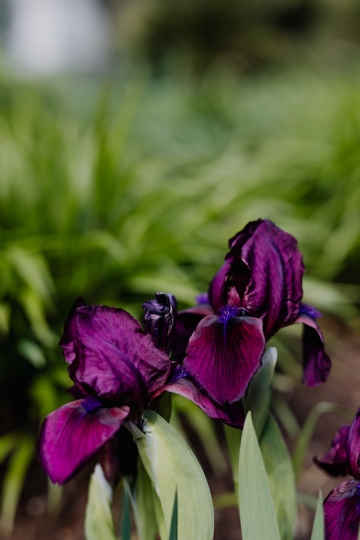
point(160, 320)
point(342, 505)
point(257, 291)
point(116, 368)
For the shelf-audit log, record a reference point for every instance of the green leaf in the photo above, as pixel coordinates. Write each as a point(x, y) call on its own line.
point(126, 514)
point(143, 504)
point(258, 396)
point(280, 475)
point(233, 439)
point(99, 523)
point(14, 480)
point(172, 467)
point(318, 532)
point(174, 520)
point(257, 513)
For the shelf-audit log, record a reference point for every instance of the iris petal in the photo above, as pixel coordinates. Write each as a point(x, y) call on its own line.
point(71, 435)
point(223, 355)
point(233, 414)
point(335, 460)
point(316, 363)
point(353, 446)
point(186, 322)
point(342, 512)
point(114, 356)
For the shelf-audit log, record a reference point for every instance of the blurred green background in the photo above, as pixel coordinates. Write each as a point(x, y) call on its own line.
point(117, 184)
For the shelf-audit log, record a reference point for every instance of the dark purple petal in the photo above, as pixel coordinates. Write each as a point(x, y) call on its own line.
point(186, 322)
point(115, 358)
point(160, 318)
point(218, 288)
point(335, 460)
point(342, 512)
point(71, 435)
point(224, 353)
point(67, 339)
point(316, 363)
point(233, 414)
point(353, 446)
point(276, 268)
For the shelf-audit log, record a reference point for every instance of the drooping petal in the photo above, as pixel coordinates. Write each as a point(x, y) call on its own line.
point(186, 322)
point(316, 363)
point(232, 414)
point(160, 318)
point(71, 435)
point(274, 290)
point(224, 353)
point(335, 461)
point(114, 356)
point(353, 446)
point(67, 339)
point(342, 512)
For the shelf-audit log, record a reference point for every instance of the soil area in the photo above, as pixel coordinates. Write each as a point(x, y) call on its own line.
point(343, 388)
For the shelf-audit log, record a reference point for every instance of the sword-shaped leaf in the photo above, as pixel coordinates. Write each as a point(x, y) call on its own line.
point(318, 531)
point(99, 523)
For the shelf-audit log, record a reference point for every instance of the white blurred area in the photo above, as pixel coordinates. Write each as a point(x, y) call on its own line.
point(54, 36)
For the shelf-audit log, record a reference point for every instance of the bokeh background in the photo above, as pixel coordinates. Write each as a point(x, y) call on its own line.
point(136, 137)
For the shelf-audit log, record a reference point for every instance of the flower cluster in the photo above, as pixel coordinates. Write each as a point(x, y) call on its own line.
point(342, 505)
point(208, 353)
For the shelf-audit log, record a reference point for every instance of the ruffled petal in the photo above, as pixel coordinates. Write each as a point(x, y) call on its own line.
point(224, 353)
point(160, 319)
point(316, 363)
point(67, 339)
point(218, 288)
point(276, 268)
point(186, 322)
point(335, 461)
point(353, 446)
point(342, 512)
point(232, 414)
point(71, 435)
point(114, 356)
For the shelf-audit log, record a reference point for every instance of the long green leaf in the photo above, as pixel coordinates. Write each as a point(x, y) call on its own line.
point(144, 505)
point(257, 513)
point(174, 520)
point(258, 396)
point(99, 522)
point(280, 475)
point(318, 531)
point(14, 481)
point(126, 514)
point(233, 440)
point(172, 467)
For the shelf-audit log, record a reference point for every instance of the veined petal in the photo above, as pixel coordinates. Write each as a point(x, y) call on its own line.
point(224, 353)
point(186, 322)
point(342, 512)
point(353, 446)
point(275, 263)
point(335, 461)
point(316, 363)
point(71, 435)
point(232, 414)
point(114, 356)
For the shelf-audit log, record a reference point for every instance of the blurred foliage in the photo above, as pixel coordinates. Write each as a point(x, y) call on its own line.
point(138, 189)
point(246, 36)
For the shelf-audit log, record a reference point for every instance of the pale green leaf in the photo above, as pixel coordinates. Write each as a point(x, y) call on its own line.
point(280, 475)
point(258, 396)
point(126, 514)
point(233, 439)
point(172, 467)
point(144, 505)
point(99, 523)
point(318, 532)
point(257, 513)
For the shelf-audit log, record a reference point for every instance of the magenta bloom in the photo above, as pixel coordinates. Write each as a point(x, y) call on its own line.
point(257, 291)
point(342, 505)
point(115, 367)
point(118, 370)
